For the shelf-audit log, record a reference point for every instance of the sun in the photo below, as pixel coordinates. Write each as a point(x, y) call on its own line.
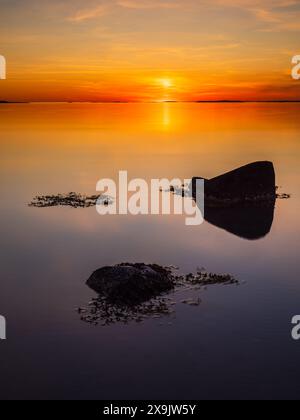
point(165, 89)
point(166, 83)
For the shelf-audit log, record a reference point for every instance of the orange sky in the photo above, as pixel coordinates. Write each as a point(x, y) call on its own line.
point(149, 50)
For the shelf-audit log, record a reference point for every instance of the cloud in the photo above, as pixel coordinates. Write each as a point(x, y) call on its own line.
point(87, 14)
point(266, 4)
point(278, 20)
point(103, 9)
point(271, 15)
point(148, 4)
point(266, 15)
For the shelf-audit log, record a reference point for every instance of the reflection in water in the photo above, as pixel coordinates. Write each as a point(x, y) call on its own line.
point(136, 292)
point(246, 222)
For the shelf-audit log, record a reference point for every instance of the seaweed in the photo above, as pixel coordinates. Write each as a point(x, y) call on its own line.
point(71, 199)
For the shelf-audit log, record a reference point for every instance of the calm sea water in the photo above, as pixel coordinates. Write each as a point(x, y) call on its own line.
point(236, 344)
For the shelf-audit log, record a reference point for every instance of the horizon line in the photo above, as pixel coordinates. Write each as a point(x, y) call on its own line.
point(5, 102)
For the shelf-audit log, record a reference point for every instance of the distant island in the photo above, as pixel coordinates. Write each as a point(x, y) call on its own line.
point(241, 102)
point(13, 102)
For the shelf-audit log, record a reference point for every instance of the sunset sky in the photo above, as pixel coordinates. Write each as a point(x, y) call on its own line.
point(149, 50)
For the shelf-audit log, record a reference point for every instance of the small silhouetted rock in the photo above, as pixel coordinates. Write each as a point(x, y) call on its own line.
point(131, 284)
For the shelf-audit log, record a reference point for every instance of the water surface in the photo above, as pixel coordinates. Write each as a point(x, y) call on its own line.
point(236, 344)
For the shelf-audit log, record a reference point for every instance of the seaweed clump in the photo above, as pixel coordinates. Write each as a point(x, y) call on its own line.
point(71, 199)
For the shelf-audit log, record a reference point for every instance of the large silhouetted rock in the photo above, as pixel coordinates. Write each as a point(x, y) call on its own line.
point(251, 183)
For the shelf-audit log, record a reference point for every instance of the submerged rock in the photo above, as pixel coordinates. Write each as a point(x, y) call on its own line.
point(131, 284)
